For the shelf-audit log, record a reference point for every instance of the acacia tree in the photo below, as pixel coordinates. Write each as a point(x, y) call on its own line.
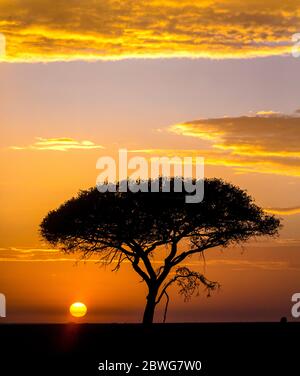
point(119, 226)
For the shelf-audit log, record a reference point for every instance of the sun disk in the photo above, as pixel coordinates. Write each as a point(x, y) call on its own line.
point(78, 309)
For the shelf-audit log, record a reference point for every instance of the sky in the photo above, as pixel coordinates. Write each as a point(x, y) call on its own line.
point(81, 79)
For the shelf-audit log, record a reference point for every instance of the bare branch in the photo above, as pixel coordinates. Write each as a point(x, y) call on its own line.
point(189, 282)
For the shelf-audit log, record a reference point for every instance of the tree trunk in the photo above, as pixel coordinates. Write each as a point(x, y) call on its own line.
point(150, 307)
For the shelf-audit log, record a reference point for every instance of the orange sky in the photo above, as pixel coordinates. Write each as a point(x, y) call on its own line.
point(57, 118)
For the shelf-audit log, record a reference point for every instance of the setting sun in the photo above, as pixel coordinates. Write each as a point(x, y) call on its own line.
point(78, 309)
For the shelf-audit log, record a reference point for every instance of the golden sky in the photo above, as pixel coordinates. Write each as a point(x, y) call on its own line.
point(47, 30)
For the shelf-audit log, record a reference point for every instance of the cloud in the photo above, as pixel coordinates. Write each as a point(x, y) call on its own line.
point(288, 242)
point(27, 254)
point(268, 113)
point(58, 144)
point(14, 254)
point(116, 29)
point(284, 211)
point(258, 144)
point(238, 264)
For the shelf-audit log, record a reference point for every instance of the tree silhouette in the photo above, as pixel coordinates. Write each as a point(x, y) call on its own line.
point(119, 226)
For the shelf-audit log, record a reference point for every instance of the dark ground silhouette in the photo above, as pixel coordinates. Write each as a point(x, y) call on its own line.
point(223, 348)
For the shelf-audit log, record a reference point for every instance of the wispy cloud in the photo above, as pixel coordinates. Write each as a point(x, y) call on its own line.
point(116, 29)
point(58, 144)
point(263, 143)
point(284, 211)
point(25, 255)
point(294, 242)
point(253, 264)
point(268, 113)
point(17, 254)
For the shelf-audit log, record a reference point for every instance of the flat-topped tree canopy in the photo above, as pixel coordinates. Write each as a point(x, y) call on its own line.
point(126, 225)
